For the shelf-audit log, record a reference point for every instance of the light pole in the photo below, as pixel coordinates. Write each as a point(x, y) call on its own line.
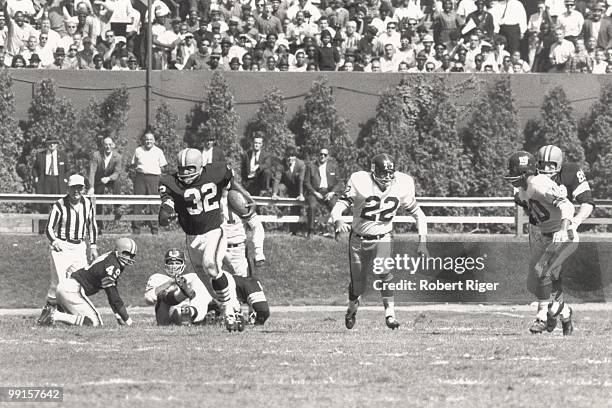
point(149, 64)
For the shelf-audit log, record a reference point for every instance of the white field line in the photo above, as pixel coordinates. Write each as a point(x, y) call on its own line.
point(505, 310)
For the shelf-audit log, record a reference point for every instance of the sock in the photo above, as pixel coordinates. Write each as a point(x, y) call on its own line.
point(554, 308)
point(74, 320)
point(353, 305)
point(565, 312)
point(542, 310)
point(389, 304)
point(225, 289)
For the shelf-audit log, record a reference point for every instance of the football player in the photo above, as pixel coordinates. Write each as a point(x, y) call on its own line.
point(552, 239)
point(194, 194)
point(570, 175)
point(73, 293)
point(250, 292)
point(235, 221)
point(375, 197)
point(178, 296)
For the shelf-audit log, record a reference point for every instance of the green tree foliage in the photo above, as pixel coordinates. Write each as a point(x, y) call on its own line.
point(596, 128)
point(490, 137)
point(100, 119)
point(11, 138)
point(216, 117)
point(164, 129)
point(557, 126)
point(416, 123)
point(270, 120)
point(318, 125)
point(49, 115)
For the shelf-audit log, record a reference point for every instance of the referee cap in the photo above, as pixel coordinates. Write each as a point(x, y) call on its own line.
point(76, 180)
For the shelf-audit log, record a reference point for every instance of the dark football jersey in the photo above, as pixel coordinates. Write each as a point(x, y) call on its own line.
point(198, 204)
point(249, 290)
point(573, 178)
point(101, 274)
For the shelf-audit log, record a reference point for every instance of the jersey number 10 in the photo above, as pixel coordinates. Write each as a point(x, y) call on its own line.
point(203, 199)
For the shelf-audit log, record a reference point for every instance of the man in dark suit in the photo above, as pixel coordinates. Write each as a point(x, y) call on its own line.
point(604, 36)
point(322, 186)
point(256, 168)
point(211, 153)
point(50, 168)
point(292, 177)
point(104, 171)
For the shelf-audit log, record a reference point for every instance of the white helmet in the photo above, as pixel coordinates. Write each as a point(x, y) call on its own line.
point(125, 249)
point(549, 154)
point(190, 165)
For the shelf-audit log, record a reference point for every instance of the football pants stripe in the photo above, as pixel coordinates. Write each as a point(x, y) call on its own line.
point(93, 308)
point(256, 297)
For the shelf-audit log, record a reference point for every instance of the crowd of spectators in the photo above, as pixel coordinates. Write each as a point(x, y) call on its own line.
point(311, 35)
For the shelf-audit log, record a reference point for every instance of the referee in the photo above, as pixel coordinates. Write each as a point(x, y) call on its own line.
point(71, 217)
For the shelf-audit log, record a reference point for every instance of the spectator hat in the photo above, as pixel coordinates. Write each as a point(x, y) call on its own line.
point(246, 7)
point(76, 180)
point(97, 57)
point(120, 39)
point(215, 24)
point(428, 38)
point(234, 21)
point(485, 44)
point(372, 30)
point(235, 60)
point(188, 35)
point(226, 40)
point(215, 55)
point(160, 12)
point(34, 58)
point(280, 42)
point(325, 33)
point(87, 40)
point(60, 51)
point(51, 139)
point(569, 2)
point(422, 29)
point(133, 58)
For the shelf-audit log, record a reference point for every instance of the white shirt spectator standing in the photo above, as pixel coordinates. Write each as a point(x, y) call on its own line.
point(560, 51)
point(513, 23)
point(571, 20)
point(18, 34)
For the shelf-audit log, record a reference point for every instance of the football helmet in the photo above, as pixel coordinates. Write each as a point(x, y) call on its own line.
point(383, 170)
point(174, 262)
point(125, 249)
point(549, 154)
point(520, 165)
point(190, 165)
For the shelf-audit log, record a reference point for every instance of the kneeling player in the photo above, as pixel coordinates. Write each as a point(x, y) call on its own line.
point(73, 293)
point(177, 296)
point(552, 239)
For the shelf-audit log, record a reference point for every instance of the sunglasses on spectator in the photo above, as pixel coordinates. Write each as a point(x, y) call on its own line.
point(323, 154)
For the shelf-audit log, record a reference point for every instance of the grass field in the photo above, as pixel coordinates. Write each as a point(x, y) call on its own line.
point(449, 357)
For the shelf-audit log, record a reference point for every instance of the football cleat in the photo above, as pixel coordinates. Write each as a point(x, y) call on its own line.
point(211, 318)
point(46, 317)
point(234, 322)
point(538, 326)
point(391, 322)
point(568, 327)
point(351, 317)
point(87, 321)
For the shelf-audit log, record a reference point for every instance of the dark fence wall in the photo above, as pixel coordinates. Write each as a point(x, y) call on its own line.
point(356, 93)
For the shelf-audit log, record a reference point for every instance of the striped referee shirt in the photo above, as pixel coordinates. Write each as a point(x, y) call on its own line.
point(70, 222)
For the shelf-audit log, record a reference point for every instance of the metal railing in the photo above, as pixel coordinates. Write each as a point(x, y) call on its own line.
point(518, 219)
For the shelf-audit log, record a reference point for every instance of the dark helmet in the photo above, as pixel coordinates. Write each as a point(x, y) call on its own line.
point(520, 165)
point(383, 169)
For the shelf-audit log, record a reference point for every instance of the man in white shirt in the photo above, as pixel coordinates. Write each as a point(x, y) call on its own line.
point(148, 162)
point(561, 51)
point(571, 20)
point(210, 152)
point(513, 23)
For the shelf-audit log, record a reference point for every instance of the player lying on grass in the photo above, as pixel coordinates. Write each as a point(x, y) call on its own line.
point(178, 297)
point(182, 297)
point(73, 293)
point(552, 239)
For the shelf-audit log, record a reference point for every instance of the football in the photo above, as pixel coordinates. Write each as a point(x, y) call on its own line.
point(237, 203)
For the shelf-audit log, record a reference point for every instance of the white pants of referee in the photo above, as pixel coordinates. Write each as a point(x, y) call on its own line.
point(71, 258)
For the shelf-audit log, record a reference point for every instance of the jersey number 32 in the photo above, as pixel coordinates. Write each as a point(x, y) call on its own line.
point(202, 199)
